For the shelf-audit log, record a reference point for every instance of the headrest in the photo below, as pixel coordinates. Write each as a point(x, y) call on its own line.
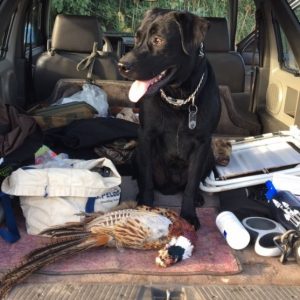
point(76, 33)
point(217, 36)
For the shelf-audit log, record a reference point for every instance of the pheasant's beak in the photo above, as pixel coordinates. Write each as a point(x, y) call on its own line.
point(178, 249)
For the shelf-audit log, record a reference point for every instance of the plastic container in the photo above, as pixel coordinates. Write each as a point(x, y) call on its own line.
point(285, 207)
point(233, 230)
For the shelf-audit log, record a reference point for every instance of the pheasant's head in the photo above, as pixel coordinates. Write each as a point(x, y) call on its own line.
point(178, 249)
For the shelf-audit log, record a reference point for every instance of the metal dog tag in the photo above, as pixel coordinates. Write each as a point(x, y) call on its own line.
point(192, 116)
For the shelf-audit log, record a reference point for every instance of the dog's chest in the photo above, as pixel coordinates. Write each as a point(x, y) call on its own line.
point(176, 140)
point(172, 136)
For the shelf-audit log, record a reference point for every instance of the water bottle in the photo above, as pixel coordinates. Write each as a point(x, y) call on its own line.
point(233, 230)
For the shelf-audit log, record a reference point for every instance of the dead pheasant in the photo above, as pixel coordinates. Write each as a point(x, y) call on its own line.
point(138, 228)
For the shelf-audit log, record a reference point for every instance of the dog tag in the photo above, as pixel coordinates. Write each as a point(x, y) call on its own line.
point(192, 116)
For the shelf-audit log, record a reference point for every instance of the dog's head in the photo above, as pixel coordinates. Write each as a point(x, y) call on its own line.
point(166, 47)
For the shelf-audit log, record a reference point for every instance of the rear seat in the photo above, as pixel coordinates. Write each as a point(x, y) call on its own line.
point(228, 65)
point(230, 71)
point(73, 38)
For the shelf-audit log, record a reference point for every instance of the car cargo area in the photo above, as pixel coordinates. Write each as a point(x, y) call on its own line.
point(260, 278)
point(72, 129)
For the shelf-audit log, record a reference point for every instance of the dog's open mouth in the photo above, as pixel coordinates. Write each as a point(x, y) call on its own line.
point(141, 87)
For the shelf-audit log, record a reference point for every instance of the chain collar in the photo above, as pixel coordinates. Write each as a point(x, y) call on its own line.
point(179, 102)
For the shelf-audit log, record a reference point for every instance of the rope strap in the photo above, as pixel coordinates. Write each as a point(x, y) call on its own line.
point(89, 61)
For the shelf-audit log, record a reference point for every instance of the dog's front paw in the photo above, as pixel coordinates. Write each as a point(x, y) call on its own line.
point(199, 199)
point(192, 219)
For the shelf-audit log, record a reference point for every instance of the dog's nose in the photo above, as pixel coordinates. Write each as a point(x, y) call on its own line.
point(124, 67)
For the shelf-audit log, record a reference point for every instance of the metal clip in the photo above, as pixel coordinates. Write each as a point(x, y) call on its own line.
point(193, 109)
point(201, 52)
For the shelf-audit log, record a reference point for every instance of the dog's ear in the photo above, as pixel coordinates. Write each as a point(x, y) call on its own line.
point(192, 30)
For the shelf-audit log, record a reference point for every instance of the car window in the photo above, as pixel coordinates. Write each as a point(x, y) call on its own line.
point(4, 33)
point(124, 16)
point(297, 12)
point(32, 30)
point(286, 55)
point(2, 43)
point(246, 19)
point(295, 6)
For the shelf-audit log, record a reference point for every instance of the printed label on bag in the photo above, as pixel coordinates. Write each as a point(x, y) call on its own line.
point(108, 200)
point(110, 196)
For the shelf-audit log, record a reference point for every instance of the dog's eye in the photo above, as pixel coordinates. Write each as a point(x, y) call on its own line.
point(157, 41)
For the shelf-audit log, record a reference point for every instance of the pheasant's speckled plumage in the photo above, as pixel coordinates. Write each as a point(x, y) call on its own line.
point(138, 228)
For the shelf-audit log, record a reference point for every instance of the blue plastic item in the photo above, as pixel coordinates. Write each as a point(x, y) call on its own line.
point(10, 233)
point(285, 206)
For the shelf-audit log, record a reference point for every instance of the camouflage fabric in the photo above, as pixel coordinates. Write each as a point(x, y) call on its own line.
point(119, 152)
point(61, 115)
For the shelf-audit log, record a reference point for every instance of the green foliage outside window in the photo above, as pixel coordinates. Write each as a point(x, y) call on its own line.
point(125, 15)
point(246, 19)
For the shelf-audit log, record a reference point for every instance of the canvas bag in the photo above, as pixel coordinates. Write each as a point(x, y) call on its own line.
point(51, 195)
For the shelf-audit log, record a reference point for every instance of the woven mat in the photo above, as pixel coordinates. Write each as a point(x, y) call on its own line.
point(211, 256)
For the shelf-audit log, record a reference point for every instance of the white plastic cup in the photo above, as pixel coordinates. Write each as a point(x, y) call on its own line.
point(233, 230)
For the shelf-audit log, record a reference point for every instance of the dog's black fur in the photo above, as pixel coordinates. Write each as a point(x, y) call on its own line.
point(170, 156)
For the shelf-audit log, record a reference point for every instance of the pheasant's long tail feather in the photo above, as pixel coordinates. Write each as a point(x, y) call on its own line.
point(66, 233)
point(57, 245)
point(47, 255)
point(64, 229)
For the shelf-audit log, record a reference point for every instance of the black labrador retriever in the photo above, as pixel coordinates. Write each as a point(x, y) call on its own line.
point(180, 106)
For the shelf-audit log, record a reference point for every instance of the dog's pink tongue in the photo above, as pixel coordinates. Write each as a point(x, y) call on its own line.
point(138, 90)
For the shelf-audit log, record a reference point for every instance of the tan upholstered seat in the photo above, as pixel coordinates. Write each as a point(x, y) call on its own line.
point(229, 69)
point(72, 40)
point(228, 65)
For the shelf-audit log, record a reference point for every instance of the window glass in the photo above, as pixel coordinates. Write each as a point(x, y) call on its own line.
point(32, 31)
point(295, 6)
point(246, 19)
point(4, 38)
point(125, 15)
point(2, 43)
point(2, 34)
point(297, 12)
point(287, 57)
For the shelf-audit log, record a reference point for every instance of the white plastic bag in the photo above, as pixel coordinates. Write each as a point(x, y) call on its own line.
point(53, 196)
point(91, 94)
